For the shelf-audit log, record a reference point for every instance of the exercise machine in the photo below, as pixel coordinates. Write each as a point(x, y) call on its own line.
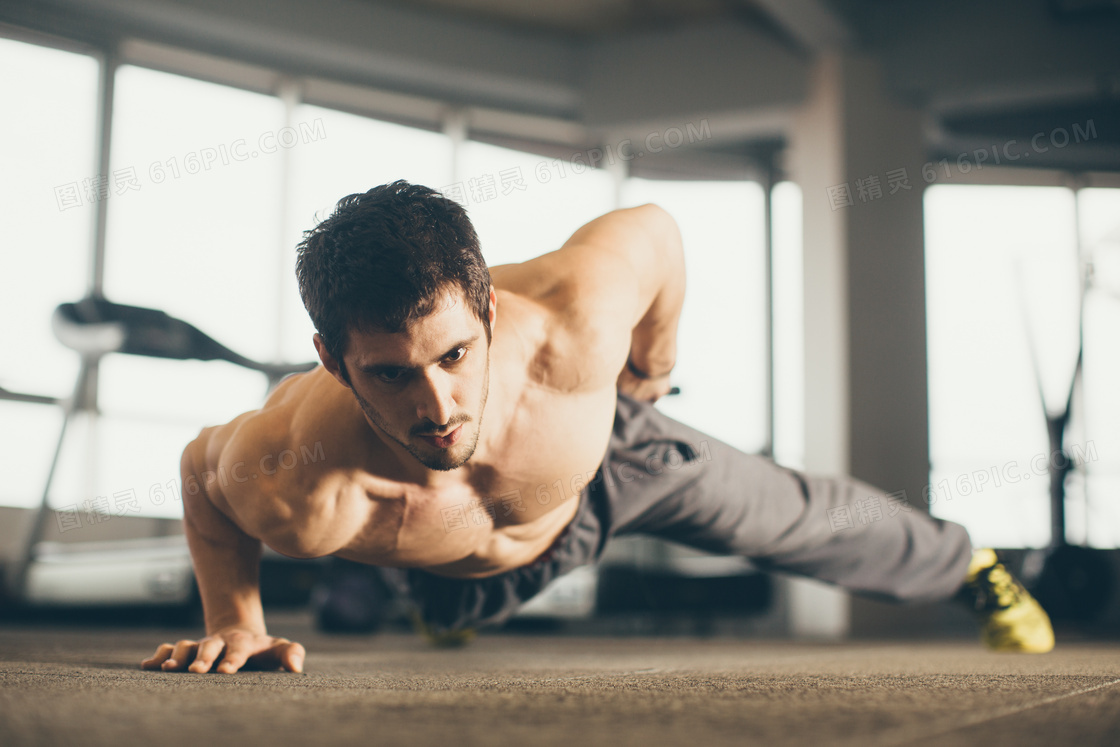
point(146, 571)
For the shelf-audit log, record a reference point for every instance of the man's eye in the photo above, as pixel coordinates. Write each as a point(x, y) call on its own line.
point(392, 375)
point(458, 355)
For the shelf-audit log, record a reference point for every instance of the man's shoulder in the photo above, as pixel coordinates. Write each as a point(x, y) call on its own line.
point(574, 279)
point(277, 452)
point(562, 343)
point(278, 472)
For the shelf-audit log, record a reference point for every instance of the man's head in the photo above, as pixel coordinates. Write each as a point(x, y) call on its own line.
point(396, 286)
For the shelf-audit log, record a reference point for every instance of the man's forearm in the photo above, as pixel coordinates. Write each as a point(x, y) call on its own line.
point(653, 346)
point(226, 562)
point(653, 343)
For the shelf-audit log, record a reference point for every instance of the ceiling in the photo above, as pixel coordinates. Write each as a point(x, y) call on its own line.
point(982, 72)
point(588, 17)
point(995, 78)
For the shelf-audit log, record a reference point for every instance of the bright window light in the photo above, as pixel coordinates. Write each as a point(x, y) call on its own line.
point(196, 235)
point(351, 154)
point(523, 205)
point(721, 365)
point(49, 131)
point(1099, 213)
point(1001, 268)
point(789, 321)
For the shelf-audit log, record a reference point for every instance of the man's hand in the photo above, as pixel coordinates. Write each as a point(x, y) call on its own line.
point(648, 390)
point(242, 647)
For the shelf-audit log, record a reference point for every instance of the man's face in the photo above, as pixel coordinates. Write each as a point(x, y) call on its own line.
point(426, 387)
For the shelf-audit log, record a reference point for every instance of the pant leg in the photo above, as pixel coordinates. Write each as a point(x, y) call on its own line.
point(668, 480)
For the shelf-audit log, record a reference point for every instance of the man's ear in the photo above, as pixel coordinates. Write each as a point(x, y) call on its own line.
point(329, 361)
point(493, 306)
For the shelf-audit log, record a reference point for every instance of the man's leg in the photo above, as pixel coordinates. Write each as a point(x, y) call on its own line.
point(666, 479)
point(674, 482)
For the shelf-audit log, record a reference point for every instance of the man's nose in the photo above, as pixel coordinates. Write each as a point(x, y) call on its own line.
point(436, 402)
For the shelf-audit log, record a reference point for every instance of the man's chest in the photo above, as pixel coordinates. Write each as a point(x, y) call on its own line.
point(513, 499)
point(550, 452)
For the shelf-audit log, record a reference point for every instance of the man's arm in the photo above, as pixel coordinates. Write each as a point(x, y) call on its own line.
point(653, 343)
point(226, 564)
point(226, 560)
point(620, 282)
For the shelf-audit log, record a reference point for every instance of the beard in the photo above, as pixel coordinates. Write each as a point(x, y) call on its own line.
point(443, 460)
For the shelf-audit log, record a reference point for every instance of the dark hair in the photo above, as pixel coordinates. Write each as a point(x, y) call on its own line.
point(383, 259)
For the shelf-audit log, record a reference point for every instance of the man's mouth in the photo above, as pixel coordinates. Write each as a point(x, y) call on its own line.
point(445, 442)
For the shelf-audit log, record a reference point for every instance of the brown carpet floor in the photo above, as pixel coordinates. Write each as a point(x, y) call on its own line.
point(82, 686)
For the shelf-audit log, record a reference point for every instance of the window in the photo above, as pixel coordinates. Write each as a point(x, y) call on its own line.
point(1099, 213)
point(1003, 275)
point(351, 154)
point(789, 338)
point(48, 130)
point(197, 237)
point(721, 375)
point(523, 205)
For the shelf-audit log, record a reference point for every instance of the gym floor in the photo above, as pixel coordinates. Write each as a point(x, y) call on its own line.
point(83, 685)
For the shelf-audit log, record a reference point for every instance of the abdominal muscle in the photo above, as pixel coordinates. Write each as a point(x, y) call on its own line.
point(504, 548)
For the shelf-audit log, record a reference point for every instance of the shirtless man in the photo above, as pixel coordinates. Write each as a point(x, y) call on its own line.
point(519, 395)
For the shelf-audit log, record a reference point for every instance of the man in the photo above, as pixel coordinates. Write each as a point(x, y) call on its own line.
point(486, 431)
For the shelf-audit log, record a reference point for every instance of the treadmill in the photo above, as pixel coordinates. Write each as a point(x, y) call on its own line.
point(153, 571)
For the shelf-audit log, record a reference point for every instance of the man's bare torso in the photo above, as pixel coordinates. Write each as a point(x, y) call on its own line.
point(544, 433)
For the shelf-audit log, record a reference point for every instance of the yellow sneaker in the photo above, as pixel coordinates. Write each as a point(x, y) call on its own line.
point(1011, 619)
point(448, 639)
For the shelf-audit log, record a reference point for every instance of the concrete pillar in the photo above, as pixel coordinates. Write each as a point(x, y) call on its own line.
point(864, 295)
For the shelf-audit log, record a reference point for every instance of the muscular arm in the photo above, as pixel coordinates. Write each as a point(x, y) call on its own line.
point(226, 560)
point(619, 283)
point(226, 564)
point(648, 242)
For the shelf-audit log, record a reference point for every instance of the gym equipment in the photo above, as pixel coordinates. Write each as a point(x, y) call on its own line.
point(154, 570)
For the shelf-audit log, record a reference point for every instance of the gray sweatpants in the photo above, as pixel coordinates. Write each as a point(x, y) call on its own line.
point(665, 479)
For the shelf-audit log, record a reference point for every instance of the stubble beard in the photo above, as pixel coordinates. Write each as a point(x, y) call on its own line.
point(442, 460)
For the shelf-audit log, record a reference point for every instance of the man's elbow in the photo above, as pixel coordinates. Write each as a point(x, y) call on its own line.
point(665, 234)
point(193, 479)
point(662, 228)
point(305, 529)
point(295, 541)
point(658, 217)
